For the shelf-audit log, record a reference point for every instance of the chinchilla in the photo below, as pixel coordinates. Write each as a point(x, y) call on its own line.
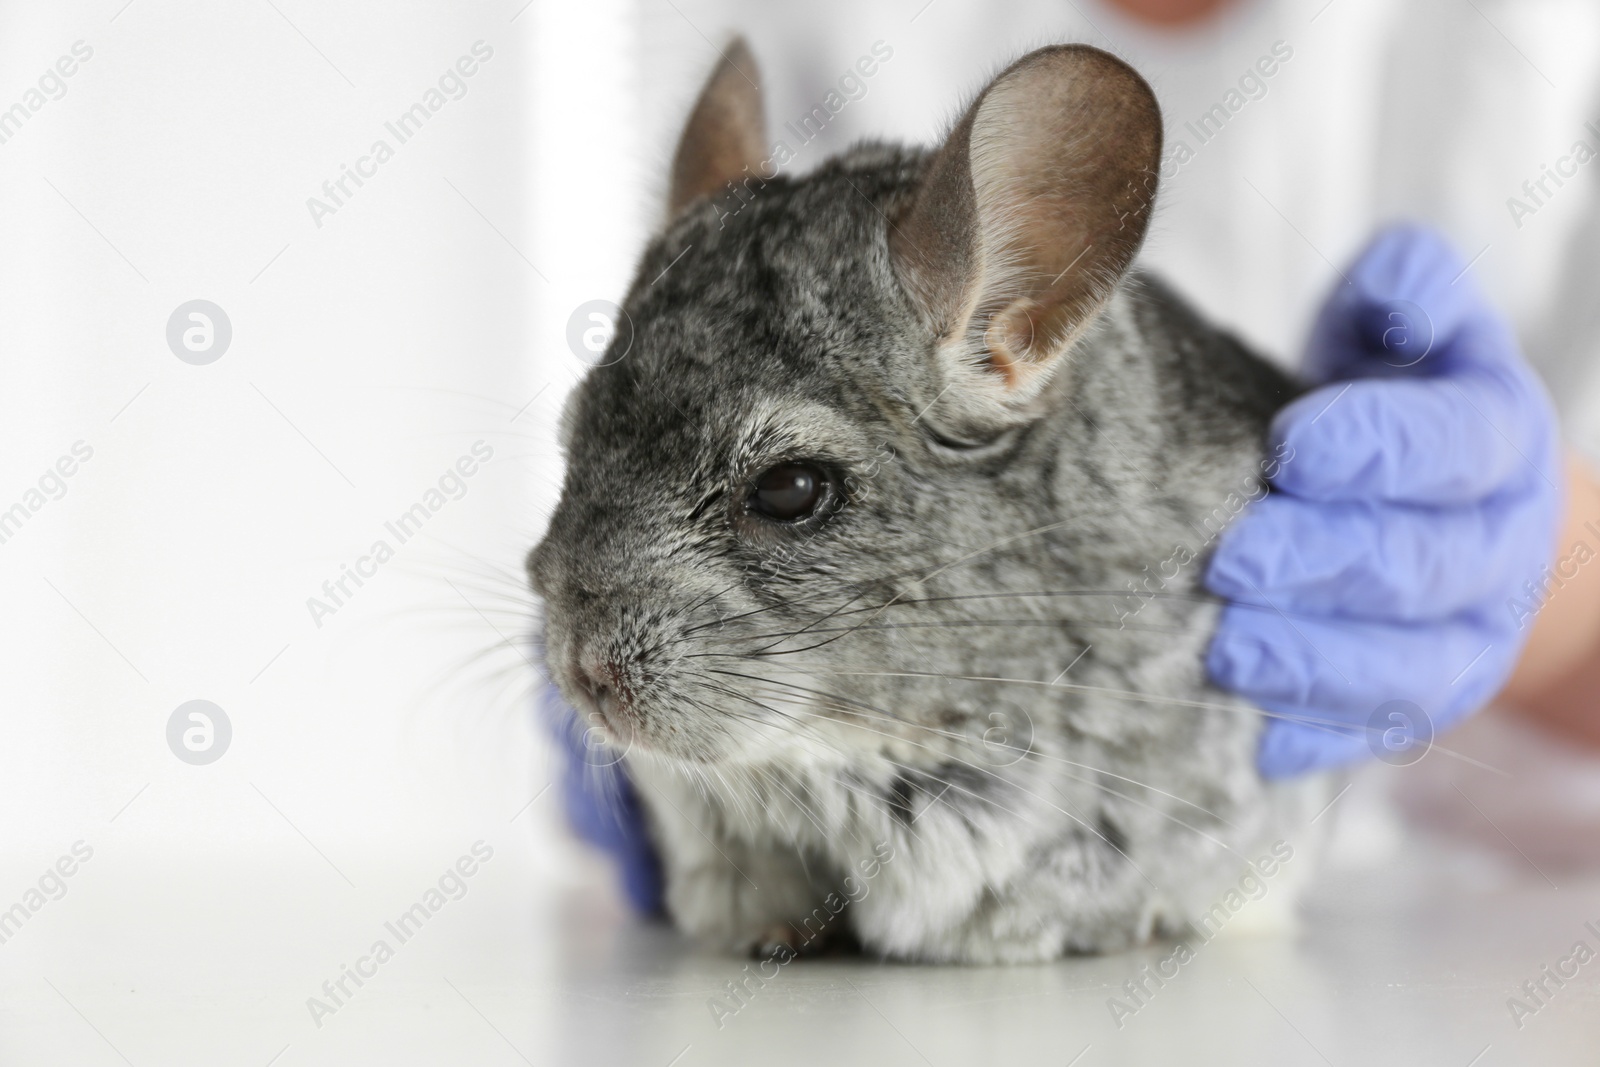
point(877, 557)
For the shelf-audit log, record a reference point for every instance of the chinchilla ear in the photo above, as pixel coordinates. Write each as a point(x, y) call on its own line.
point(1027, 217)
point(726, 133)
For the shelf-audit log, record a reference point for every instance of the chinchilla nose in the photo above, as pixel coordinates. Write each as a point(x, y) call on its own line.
point(601, 682)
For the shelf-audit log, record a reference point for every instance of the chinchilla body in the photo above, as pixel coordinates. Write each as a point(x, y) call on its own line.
point(879, 549)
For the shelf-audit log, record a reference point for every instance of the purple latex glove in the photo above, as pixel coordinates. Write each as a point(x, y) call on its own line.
point(601, 805)
point(1383, 589)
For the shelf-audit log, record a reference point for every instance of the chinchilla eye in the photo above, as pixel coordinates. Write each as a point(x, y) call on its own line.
point(789, 492)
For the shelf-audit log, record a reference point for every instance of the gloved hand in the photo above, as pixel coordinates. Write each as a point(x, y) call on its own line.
point(1381, 590)
point(601, 805)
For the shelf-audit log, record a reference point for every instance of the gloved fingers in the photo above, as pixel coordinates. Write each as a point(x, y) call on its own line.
point(1346, 669)
point(1406, 295)
point(1436, 415)
point(1442, 440)
point(1387, 563)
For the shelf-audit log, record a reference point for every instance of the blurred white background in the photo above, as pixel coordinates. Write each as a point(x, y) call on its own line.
point(371, 349)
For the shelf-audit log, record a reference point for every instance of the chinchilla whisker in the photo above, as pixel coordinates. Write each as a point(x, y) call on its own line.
point(525, 647)
point(1149, 698)
point(465, 669)
point(907, 601)
point(808, 730)
point(483, 672)
point(787, 720)
point(814, 622)
point(1193, 598)
point(771, 778)
point(858, 707)
point(466, 567)
point(874, 797)
point(526, 643)
point(476, 602)
point(1332, 725)
point(1090, 781)
point(760, 775)
point(943, 755)
point(947, 757)
point(825, 618)
point(773, 607)
point(1129, 694)
point(959, 624)
point(494, 696)
point(725, 789)
point(958, 787)
point(1092, 829)
point(698, 604)
point(868, 626)
point(1077, 819)
point(899, 601)
point(857, 789)
point(841, 702)
point(699, 775)
point(917, 579)
point(483, 602)
point(454, 614)
point(804, 648)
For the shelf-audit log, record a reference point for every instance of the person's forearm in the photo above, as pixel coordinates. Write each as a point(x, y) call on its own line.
point(1557, 680)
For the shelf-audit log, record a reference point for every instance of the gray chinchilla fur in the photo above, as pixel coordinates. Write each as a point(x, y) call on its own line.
point(890, 449)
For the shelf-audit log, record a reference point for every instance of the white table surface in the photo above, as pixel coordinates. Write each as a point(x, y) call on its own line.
point(1405, 952)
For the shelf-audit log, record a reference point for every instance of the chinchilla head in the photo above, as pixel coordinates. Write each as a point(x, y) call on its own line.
point(826, 490)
